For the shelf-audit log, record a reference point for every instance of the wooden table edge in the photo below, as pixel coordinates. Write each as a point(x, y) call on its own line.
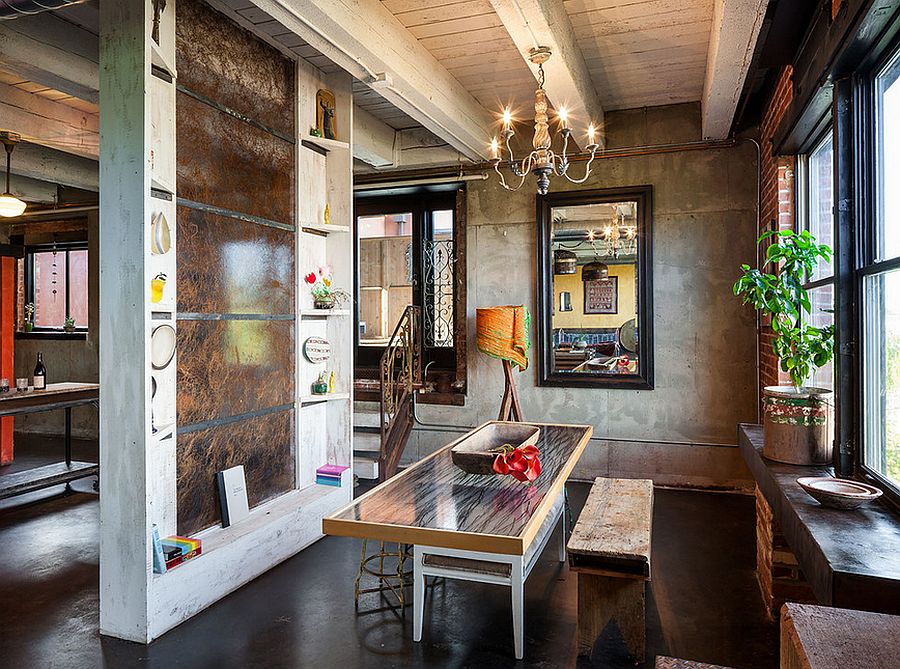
point(506, 545)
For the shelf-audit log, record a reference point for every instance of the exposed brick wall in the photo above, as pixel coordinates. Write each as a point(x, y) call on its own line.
point(776, 203)
point(780, 577)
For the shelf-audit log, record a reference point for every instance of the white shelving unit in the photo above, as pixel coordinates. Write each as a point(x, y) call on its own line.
point(325, 169)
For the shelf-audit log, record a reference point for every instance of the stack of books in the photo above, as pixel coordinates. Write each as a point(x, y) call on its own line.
point(172, 551)
point(330, 475)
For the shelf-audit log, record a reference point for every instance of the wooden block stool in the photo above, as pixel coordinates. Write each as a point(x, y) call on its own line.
point(610, 550)
point(663, 662)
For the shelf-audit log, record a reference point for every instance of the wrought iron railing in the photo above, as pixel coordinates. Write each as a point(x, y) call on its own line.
point(401, 376)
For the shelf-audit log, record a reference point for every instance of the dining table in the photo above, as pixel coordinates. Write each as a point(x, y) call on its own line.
point(471, 527)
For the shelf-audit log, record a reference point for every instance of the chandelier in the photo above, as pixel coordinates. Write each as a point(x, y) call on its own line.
point(618, 238)
point(543, 162)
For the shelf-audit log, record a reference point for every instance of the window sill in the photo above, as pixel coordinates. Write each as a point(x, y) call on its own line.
point(60, 336)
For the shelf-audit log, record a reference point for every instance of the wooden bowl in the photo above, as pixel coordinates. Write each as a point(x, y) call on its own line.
point(838, 493)
point(475, 453)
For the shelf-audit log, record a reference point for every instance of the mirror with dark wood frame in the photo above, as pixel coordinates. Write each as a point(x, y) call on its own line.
point(595, 318)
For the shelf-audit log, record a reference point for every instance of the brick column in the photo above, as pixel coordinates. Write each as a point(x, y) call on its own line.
point(779, 575)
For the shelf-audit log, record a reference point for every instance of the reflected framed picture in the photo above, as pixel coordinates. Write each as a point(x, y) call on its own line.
point(602, 296)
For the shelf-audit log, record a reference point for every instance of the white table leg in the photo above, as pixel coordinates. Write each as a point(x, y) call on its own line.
point(418, 594)
point(562, 536)
point(517, 586)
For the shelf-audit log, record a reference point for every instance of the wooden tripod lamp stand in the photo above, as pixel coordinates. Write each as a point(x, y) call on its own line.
point(502, 333)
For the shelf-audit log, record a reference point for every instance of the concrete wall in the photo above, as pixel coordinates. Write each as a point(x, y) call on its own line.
point(704, 226)
point(68, 359)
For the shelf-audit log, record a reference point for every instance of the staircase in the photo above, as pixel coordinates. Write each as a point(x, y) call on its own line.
point(382, 429)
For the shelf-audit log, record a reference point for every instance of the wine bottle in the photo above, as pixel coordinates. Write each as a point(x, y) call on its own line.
point(40, 373)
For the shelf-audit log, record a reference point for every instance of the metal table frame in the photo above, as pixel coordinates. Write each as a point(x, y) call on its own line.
point(18, 404)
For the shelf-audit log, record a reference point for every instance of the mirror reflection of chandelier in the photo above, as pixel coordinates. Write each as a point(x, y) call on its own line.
point(542, 161)
point(618, 238)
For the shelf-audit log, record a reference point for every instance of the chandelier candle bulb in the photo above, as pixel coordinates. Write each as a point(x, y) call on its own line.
point(564, 118)
point(507, 119)
point(495, 149)
point(591, 134)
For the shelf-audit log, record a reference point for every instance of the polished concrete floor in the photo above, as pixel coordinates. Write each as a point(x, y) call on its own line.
point(703, 602)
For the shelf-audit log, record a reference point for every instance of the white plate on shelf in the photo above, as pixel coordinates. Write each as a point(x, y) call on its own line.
point(162, 346)
point(838, 493)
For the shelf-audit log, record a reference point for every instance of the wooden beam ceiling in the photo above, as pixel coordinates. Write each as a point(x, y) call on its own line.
point(366, 40)
point(735, 28)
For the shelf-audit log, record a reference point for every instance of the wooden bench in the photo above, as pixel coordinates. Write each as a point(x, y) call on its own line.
point(821, 637)
point(610, 550)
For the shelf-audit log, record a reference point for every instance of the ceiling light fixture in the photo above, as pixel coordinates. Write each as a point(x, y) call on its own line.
point(10, 205)
point(542, 161)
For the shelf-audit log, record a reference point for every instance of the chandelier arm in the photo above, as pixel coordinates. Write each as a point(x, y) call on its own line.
point(587, 170)
point(503, 179)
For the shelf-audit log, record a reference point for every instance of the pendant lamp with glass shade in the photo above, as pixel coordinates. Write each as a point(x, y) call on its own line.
point(10, 205)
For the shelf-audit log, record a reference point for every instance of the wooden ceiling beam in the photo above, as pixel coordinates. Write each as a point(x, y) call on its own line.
point(54, 53)
point(366, 40)
point(532, 23)
point(48, 123)
point(735, 29)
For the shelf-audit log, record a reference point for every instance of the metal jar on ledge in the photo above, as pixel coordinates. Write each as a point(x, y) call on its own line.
point(796, 428)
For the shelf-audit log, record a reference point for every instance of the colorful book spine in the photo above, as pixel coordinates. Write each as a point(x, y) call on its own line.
point(159, 561)
point(327, 480)
point(178, 549)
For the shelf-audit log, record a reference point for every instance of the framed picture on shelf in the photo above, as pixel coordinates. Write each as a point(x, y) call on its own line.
point(602, 296)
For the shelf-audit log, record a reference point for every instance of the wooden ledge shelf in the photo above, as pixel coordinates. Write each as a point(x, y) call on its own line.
point(325, 144)
point(321, 228)
point(318, 399)
point(851, 559)
point(324, 313)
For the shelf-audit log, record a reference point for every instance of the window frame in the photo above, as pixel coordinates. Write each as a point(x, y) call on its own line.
point(446, 365)
point(65, 247)
point(866, 262)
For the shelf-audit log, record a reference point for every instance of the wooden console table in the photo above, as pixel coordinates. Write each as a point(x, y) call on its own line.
point(55, 396)
point(851, 559)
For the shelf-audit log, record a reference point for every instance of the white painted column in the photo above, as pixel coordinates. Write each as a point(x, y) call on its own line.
point(125, 550)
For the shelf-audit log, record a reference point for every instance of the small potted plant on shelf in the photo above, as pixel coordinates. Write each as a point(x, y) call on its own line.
point(69, 325)
point(29, 317)
point(795, 417)
point(321, 285)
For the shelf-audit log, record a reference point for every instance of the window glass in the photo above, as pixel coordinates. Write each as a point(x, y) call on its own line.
point(385, 274)
point(820, 206)
point(887, 144)
point(881, 373)
point(822, 303)
point(59, 288)
point(50, 289)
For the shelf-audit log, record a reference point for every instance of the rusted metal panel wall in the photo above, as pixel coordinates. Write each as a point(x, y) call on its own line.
point(236, 264)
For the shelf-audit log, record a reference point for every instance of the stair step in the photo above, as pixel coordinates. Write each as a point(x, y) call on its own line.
point(367, 441)
point(366, 419)
point(365, 467)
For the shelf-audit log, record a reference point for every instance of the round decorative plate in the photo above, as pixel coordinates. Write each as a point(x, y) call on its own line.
point(628, 335)
point(838, 493)
point(160, 235)
point(162, 346)
point(316, 349)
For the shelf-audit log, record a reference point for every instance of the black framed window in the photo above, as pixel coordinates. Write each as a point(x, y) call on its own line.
point(879, 283)
point(56, 284)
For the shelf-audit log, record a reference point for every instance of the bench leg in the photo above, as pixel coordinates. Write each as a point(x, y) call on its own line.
point(418, 594)
point(517, 586)
point(602, 599)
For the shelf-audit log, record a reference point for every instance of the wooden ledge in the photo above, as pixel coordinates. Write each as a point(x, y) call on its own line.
point(851, 559)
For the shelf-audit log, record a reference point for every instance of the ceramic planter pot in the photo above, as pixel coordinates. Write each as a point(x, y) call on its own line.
point(324, 302)
point(795, 425)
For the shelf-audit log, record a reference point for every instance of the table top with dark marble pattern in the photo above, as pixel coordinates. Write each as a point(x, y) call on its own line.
point(434, 503)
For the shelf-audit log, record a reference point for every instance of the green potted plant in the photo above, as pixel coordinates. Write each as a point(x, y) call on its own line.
point(69, 325)
point(795, 420)
point(29, 317)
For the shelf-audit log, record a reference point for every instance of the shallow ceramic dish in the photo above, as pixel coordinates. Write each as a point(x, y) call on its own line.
point(162, 346)
point(475, 453)
point(160, 236)
point(838, 493)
